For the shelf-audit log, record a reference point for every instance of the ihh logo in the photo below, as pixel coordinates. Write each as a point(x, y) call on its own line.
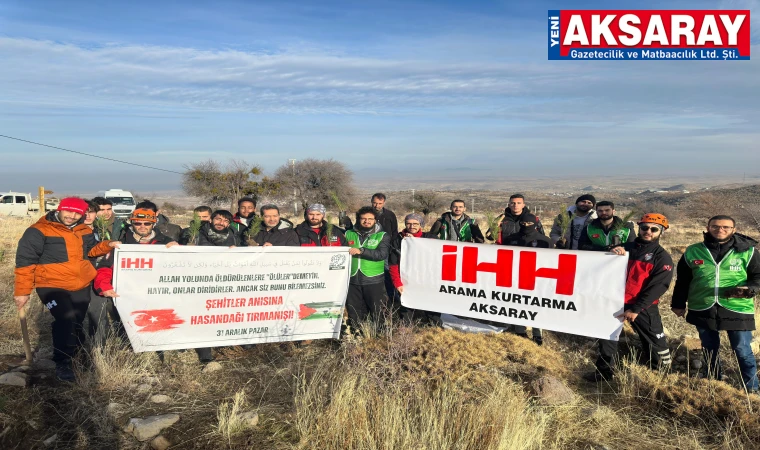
point(564, 274)
point(137, 263)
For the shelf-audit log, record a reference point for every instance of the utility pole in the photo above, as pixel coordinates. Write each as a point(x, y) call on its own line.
point(413, 200)
point(42, 200)
point(472, 204)
point(295, 200)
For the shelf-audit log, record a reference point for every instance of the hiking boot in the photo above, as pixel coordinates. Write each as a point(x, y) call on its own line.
point(64, 372)
point(538, 340)
point(597, 376)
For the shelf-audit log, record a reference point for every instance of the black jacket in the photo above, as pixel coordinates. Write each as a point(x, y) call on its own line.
point(650, 271)
point(308, 238)
point(717, 317)
point(279, 237)
point(380, 253)
point(387, 219)
point(208, 236)
point(510, 223)
point(534, 239)
point(584, 242)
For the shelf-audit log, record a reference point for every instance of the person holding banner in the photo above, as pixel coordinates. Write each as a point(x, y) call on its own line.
point(413, 223)
point(528, 236)
point(370, 247)
point(277, 232)
point(52, 257)
point(650, 271)
point(142, 230)
point(718, 280)
point(316, 232)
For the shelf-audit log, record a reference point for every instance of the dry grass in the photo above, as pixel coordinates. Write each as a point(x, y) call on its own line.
point(393, 387)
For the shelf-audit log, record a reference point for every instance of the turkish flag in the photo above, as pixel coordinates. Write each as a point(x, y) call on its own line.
point(156, 320)
point(698, 262)
point(304, 311)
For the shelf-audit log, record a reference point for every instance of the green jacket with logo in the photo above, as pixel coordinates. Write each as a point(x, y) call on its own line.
point(706, 271)
point(595, 237)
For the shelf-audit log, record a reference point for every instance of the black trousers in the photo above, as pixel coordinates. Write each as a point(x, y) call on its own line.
point(365, 302)
point(99, 315)
point(648, 325)
point(68, 309)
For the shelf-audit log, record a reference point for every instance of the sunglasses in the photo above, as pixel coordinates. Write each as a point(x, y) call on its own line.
point(142, 224)
point(653, 228)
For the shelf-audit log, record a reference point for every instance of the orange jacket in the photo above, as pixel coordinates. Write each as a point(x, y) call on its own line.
point(50, 254)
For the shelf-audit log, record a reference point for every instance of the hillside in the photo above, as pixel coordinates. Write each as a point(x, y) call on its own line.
point(397, 387)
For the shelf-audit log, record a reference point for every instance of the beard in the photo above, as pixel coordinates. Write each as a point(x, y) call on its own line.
point(583, 208)
point(605, 217)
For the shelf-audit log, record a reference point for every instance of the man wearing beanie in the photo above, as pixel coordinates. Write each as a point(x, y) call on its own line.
point(579, 215)
point(52, 257)
point(650, 271)
point(316, 232)
point(455, 225)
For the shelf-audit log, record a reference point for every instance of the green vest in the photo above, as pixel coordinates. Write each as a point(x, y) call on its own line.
point(711, 280)
point(601, 239)
point(465, 233)
point(368, 268)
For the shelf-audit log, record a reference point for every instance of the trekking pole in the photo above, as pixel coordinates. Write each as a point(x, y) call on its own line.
point(25, 334)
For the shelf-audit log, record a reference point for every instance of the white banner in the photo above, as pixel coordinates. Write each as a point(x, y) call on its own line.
point(190, 296)
point(561, 290)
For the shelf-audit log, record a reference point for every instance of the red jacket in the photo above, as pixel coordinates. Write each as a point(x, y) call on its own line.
point(394, 259)
point(650, 271)
point(310, 237)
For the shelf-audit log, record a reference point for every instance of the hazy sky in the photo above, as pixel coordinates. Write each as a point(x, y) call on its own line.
point(392, 89)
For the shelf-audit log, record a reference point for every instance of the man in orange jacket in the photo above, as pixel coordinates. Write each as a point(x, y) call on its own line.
point(53, 257)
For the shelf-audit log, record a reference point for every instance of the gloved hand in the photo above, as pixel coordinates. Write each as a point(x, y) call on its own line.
point(739, 292)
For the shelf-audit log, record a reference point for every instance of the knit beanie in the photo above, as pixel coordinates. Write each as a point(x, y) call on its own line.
point(585, 197)
point(73, 204)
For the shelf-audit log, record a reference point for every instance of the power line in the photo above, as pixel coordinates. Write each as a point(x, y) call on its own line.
point(94, 156)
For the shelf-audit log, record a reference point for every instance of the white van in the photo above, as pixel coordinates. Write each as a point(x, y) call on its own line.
point(123, 202)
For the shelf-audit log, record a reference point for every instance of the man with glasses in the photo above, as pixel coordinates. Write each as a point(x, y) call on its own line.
point(718, 279)
point(650, 271)
point(413, 224)
point(370, 247)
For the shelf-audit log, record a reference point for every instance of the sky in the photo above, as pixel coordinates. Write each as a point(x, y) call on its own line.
point(399, 90)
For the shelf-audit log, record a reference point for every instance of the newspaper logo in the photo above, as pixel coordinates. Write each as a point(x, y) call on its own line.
point(338, 262)
point(649, 34)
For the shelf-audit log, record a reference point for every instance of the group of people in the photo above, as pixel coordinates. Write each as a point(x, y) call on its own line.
point(69, 261)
